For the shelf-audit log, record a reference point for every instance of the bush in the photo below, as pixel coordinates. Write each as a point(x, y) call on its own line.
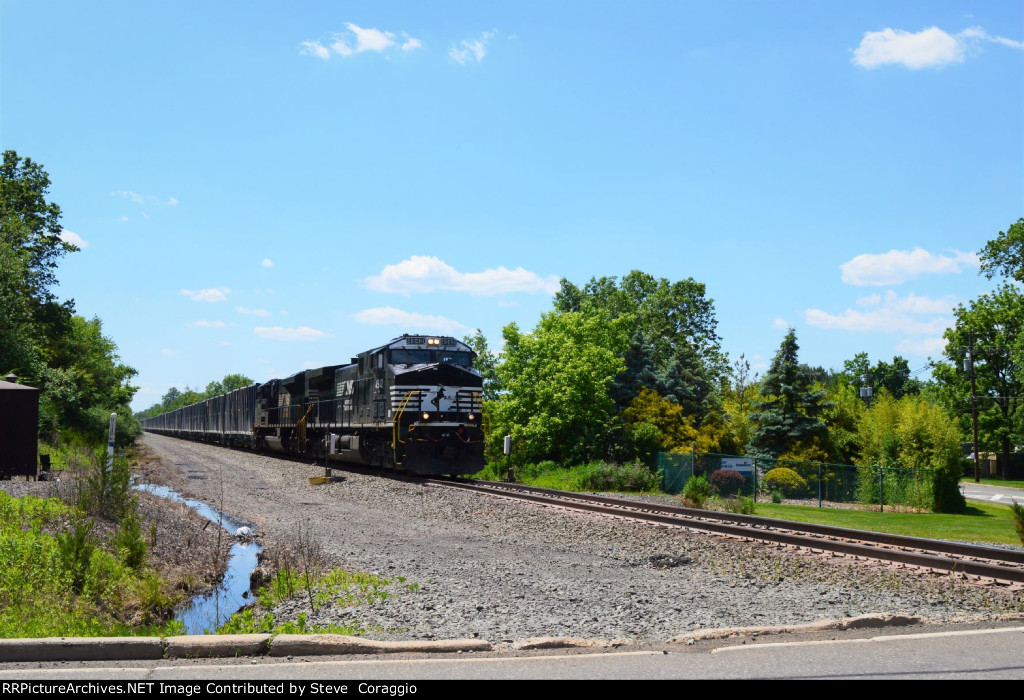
point(786, 481)
point(646, 440)
point(75, 547)
point(946, 496)
point(602, 476)
point(696, 491)
point(726, 482)
point(1018, 519)
point(129, 543)
point(776, 496)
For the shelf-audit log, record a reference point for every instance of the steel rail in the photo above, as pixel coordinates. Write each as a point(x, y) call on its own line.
point(910, 551)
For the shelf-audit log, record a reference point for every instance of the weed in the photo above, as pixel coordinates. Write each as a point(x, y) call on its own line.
point(129, 543)
point(310, 554)
point(75, 547)
point(696, 491)
point(743, 505)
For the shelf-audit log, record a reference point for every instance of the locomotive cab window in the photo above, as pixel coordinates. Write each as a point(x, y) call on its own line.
point(410, 357)
point(462, 359)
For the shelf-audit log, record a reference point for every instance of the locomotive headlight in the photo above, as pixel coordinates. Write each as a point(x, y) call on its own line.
point(426, 416)
point(472, 416)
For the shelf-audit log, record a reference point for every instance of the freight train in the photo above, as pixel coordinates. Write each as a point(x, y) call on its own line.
point(413, 404)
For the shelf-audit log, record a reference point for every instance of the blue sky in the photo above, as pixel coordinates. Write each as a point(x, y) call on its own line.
point(260, 187)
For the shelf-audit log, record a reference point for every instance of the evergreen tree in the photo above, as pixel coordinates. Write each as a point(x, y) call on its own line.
point(788, 411)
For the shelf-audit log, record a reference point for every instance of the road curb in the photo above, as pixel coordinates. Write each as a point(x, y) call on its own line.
point(218, 646)
point(81, 648)
point(338, 644)
point(534, 643)
point(847, 623)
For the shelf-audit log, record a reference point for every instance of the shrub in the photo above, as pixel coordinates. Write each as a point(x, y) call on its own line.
point(696, 491)
point(634, 476)
point(776, 496)
point(726, 482)
point(946, 485)
point(785, 480)
point(75, 547)
point(130, 543)
point(1018, 519)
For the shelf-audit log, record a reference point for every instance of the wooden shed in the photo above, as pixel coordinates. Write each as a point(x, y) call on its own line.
point(19, 429)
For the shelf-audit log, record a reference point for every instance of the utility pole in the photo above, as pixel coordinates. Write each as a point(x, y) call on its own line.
point(974, 402)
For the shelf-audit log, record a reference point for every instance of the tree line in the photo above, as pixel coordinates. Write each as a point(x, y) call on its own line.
point(42, 339)
point(620, 369)
point(175, 398)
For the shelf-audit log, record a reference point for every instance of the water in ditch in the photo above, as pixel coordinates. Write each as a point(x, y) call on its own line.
point(207, 612)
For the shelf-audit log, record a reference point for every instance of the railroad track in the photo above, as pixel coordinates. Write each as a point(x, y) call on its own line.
point(988, 564)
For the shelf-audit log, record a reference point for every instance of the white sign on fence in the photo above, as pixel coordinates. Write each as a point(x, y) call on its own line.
point(743, 465)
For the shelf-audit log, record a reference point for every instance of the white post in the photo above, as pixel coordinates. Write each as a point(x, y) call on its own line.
point(110, 441)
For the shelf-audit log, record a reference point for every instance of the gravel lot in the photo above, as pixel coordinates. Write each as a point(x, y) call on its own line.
point(501, 571)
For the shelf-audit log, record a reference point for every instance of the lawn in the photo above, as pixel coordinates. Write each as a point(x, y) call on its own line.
point(1007, 483)
point(983, 522)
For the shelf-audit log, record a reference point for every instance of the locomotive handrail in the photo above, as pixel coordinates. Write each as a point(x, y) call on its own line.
point(300, 425)
point(485, 423)
point(398, 418)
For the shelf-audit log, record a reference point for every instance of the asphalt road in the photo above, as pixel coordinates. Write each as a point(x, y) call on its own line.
point(991, 494)
point(967, 654)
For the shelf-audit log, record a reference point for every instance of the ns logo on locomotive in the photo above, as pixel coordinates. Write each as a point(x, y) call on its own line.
point(414, 404)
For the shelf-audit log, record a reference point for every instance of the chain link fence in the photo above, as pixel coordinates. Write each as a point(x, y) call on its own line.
point(820, 483)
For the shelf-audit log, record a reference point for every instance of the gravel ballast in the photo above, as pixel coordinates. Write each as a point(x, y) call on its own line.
point(498, 570)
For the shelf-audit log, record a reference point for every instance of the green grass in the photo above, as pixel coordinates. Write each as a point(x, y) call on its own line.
point(68, 586)
point(983, 522)
point(1008, 483)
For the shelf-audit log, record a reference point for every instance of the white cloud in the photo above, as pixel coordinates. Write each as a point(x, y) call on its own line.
point(123, 218)
point(314, 48)
point(898, 266)
point(422, 273)
point(302, 333)
point(508, 303)
point(907, 315)
point(780, 323)
point(73, 238)
point(928, 48)
point(210, 295)
point(911, 303)
point(923, 347)
point(471, 50)
point(390, 316)
point(209, 324)
point(357, 40)
point(252, 312)
point(144, 198)
point(169, 352)
point(267, 262)
point(979, 33)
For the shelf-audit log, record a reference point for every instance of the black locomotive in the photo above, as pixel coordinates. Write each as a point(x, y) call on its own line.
point(413, 404)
